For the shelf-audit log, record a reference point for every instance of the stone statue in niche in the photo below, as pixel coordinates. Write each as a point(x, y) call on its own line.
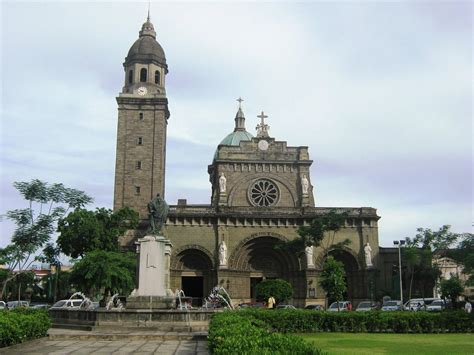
point(222, 183)
point(158, 211)
point(222, 254)
point(305, 184)
point(368, 255)
point(309, 256)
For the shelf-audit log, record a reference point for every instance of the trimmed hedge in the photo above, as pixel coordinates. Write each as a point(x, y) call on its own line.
point(293, 321)
point(22, 324)
point(234, 332)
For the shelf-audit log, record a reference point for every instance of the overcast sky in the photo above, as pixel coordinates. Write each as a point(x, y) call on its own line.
point(380, 92)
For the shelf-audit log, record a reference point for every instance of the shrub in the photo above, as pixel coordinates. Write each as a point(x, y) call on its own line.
point(292, 321)
point(240, 333)
point(22, 324)
point(278, 288)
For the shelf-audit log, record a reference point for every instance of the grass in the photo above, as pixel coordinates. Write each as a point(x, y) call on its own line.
point(370, 343)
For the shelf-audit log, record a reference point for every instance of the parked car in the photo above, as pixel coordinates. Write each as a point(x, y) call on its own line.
point(3, 305)
point(285, 306)
point(67, 304)
point(39, 306)
point(343, 306)
point(392, 306)
point(315, 307)
point(366, 306)
point(15, 304)
point(252, 305)
point(438, 305)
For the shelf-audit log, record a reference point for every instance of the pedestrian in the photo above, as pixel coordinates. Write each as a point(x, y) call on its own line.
point(349, 306)
point(271, 302)
point(468, 306)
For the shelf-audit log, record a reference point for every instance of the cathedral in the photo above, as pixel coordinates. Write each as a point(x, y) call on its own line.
point(261, 193)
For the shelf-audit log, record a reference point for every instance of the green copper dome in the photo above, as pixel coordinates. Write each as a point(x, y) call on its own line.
point(239, 134)
point(235, 137)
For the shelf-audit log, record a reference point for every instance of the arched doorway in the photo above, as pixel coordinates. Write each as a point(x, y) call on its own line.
point(192, 269)
point(259, 257)
point(354, 277)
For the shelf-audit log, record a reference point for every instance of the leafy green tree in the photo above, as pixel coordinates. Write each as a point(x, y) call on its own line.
point(464, 254)
point(333, 279)
point(111, 271)
point(280, 289)
point(35, 224)
point(451, 288)
point(419, 252)
point(320, 233)
point(83, 231)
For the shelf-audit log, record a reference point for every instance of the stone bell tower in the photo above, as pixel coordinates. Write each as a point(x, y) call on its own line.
point(142, 121)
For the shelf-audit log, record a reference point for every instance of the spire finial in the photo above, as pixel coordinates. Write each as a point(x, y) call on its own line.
point(149, 5)
point(240, 101)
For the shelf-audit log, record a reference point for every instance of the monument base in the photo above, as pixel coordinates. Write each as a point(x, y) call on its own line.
point(151, 302)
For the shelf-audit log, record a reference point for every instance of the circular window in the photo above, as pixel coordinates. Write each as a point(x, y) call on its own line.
point(263, 193)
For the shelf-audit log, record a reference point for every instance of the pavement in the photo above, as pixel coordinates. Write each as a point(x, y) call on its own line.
point(93, 342)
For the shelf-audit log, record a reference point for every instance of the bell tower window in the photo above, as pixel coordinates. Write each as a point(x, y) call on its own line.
point(157, 77)
point(130, 76)
point(143, 75)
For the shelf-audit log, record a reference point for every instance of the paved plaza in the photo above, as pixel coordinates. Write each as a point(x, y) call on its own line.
point(47, 346)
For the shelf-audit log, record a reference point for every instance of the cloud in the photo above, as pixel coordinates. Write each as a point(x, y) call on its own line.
point(380, 92)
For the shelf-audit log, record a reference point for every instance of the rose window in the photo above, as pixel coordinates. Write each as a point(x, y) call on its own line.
point(263, 193)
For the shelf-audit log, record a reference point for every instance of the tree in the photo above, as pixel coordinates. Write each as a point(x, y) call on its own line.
point(280, 289)
point(83, 231)
point(320, 233)
point(464, 254)
point(333, 279)
point(36, 223)
point(451, 288)
point(111, 271)
point(419, 252)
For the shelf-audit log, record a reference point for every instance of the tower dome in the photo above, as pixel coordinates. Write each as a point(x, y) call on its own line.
point(146, 49)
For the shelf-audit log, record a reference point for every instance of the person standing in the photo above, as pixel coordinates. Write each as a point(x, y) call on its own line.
point(468, 306)
point(271, 302)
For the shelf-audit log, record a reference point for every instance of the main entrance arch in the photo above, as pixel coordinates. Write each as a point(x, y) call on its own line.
point(259, 258)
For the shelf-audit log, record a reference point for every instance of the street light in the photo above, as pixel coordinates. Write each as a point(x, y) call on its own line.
point(400, 243)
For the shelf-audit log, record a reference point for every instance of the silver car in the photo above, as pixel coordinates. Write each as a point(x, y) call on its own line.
point(366, 306)
point(392, 306)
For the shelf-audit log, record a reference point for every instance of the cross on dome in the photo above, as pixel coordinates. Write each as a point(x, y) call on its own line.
point(240, 101)
point(262, 128)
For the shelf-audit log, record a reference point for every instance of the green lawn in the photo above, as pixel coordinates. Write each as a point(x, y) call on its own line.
point(370, 343)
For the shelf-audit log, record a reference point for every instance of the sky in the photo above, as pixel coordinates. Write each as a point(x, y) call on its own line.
point(381, 92)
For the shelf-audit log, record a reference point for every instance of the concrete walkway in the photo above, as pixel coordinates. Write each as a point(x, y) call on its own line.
point(84, 342)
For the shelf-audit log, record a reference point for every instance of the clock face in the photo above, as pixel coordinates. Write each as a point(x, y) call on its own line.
point(263, 145)
point(142, 90)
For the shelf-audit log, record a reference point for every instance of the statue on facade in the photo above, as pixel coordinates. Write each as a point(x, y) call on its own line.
point(305, 184)
point(368, 255)
point(222, 254)
point(158, 212)
point(222, 183)
point(309, 256)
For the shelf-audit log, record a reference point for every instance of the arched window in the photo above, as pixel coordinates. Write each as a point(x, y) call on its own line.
point(157, 77)
point(143, 75)
point(130, 76)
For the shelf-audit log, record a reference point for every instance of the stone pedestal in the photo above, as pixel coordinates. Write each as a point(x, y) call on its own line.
point(153, 290)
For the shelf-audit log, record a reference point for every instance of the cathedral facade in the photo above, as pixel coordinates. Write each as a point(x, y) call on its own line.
point(261, 193)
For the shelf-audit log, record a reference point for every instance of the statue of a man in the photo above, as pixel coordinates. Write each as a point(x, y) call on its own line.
point(305, 184)
point(309, 256)
point(158, 212)
point(222, 254)
point(222, 183)
point(368, 255)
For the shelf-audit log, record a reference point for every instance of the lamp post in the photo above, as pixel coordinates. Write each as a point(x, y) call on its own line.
point(399, 243)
